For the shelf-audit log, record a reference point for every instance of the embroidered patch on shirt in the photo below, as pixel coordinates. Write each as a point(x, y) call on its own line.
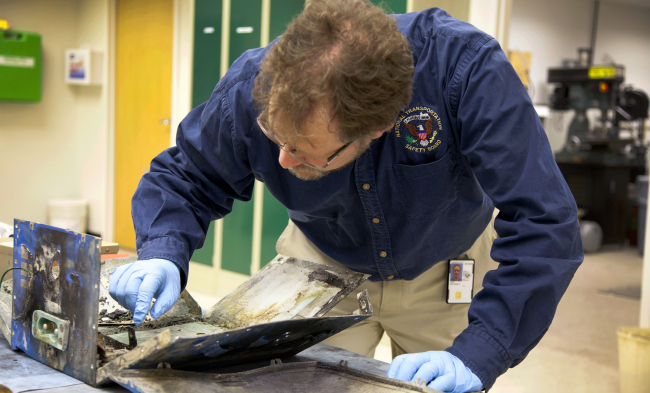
point(419, 127)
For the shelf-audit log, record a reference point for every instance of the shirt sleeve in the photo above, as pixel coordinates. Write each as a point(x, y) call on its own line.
point(539, 246)
point(190, 185)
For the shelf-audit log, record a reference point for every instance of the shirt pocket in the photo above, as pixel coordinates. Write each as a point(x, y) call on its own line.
point(427, 190)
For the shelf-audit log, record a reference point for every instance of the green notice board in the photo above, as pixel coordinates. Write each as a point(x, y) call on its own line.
point(20, 66)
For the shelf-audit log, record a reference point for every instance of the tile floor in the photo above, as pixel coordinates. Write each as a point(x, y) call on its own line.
point(579, 352)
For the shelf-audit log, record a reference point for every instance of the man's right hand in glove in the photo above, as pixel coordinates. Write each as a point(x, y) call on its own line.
point(135, 285)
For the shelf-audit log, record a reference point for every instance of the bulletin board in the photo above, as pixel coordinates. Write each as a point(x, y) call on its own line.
point(20, 66)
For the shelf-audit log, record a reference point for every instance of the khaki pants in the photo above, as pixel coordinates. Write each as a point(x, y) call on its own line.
point(414, 314)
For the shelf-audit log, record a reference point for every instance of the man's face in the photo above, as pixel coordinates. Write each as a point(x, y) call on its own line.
point(304, 172)
point(320, 143)
point(456, 273)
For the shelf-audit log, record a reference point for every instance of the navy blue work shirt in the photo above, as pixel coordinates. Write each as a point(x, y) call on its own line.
point(469, 140)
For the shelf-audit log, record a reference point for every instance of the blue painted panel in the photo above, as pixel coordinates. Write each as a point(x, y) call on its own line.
point(65, 283)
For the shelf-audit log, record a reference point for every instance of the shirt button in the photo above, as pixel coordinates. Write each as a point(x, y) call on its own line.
point(375, 220)
point(390, 277)
point(383, 254)
point(365, 186)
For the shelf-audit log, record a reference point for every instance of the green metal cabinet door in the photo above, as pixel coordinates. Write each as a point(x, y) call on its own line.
point(392, 6)
point(206, 69)
point(245, 23)
point(245, 26)
point(282, 13)
point(275, 217)
point(206, 74)
point(238, 238)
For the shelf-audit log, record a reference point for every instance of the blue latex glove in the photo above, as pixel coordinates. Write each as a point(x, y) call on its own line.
point(447, 372)
point(135, 285)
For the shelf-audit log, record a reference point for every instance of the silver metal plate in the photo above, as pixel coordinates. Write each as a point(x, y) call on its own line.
point(278, 377)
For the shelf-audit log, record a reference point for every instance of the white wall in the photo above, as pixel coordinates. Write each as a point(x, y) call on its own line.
point(92, 119)
point(56, 148)
point(553, 30)
point(493, 17)
point(624, 35)
point(182, 57)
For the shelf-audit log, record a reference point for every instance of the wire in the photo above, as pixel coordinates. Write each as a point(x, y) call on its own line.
point(13, 268)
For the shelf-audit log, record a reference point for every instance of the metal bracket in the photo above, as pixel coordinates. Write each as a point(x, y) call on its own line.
point(50, 329)
point(365, 307)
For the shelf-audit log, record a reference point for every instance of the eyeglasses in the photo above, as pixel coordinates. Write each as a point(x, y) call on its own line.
point(265, 129)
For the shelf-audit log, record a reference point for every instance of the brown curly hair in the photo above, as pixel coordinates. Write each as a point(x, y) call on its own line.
point(344, 54)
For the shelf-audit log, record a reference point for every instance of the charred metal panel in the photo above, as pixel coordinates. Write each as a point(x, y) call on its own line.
point(5, 308)
point(276, 313)
point(111, 314)
point(285, 288)
point(185, 330)
point(65, 293)
point(244, 345)
point(278, 377)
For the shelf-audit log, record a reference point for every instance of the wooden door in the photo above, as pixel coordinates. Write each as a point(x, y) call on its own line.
point(143, 99)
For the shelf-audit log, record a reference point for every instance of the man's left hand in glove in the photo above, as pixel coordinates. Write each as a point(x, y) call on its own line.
point(441, 370)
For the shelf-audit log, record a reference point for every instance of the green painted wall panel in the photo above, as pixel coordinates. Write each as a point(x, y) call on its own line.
point(392, 6)
point(244, 14)
point(238, 238)
point(282, 13)
point(206, 70)
point(238, 225)
point(274, 220)
point(204, 254)
point(205, 75)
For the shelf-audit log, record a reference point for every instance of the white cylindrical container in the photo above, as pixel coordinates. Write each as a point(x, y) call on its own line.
point(71, 214)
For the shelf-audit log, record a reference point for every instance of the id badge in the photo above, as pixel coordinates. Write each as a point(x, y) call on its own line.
point(460, 281)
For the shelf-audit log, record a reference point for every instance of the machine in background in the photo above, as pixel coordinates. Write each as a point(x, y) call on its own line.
point(599, 160)
point(617, 138)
